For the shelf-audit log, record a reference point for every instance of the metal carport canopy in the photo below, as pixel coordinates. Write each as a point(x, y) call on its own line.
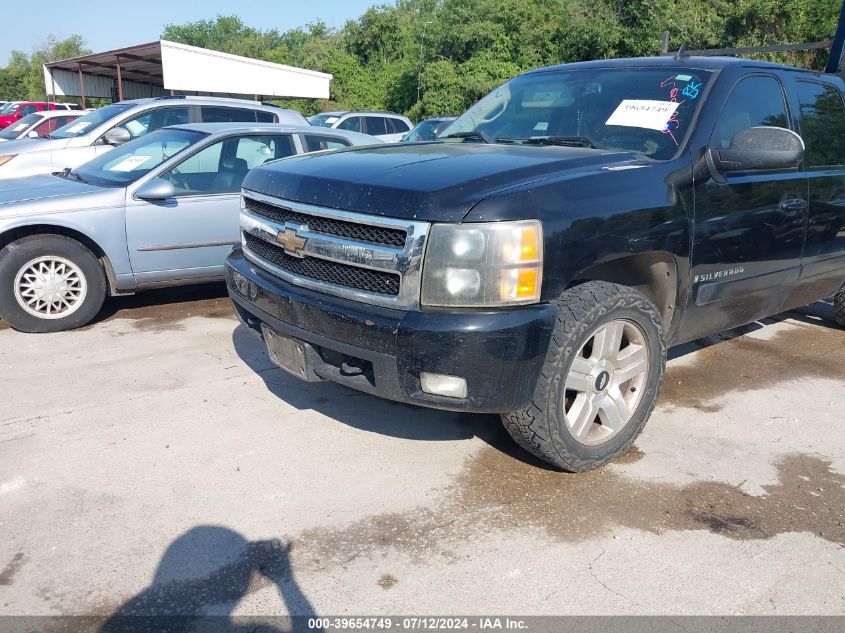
point(163, 67)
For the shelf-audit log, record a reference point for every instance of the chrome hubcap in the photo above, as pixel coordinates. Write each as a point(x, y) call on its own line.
point(605, 382)
point(50, 287)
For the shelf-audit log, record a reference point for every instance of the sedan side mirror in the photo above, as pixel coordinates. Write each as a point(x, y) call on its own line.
point(155, 189)
point(117, 136)
point(758, 148)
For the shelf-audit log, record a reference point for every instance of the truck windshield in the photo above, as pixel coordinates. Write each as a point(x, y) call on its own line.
point(643, 110)
point(88, 122)
point(127, 163)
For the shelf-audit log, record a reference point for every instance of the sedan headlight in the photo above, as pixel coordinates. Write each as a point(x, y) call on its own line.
point(483, 265)
point(5, 159)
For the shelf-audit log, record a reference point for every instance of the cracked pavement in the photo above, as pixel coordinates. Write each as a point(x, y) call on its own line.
point(156, 461)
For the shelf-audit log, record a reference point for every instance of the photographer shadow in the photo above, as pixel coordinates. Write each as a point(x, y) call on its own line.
point(202, 577)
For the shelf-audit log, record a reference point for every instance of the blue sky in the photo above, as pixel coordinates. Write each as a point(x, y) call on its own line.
point(120, 23)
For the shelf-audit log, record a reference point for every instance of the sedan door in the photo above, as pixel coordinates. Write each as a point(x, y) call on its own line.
point(188, 236)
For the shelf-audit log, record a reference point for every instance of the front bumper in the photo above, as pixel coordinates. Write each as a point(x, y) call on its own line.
point(382, 351)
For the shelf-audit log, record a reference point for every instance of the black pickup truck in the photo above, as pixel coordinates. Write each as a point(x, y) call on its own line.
point(540, 257)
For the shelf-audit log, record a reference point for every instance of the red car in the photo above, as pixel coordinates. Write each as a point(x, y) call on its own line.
point(19, 109)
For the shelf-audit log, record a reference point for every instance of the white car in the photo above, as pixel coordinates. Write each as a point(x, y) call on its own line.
point(38, 124)
point(100, 130)
point(388, 126)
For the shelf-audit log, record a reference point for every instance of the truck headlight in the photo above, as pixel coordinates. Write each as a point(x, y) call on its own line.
point(5, 159)
point(483, 265)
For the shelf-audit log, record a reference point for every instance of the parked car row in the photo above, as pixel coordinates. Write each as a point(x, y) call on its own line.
point(15, 110)
point(39, 124)
point(142, 193)
point(161, 209)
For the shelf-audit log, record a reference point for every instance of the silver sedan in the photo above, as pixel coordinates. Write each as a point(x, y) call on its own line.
point(160, 210)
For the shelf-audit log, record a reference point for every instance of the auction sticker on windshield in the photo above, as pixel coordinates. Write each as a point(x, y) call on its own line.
point(643, 113)
point(78, 127)
point(130, 163)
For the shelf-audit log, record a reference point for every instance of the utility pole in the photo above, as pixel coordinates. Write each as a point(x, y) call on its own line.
point(422, 48)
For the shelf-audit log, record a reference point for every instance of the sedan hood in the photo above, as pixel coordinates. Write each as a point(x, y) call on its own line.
point(431, 181)
point(16, 191)
point(24, 145)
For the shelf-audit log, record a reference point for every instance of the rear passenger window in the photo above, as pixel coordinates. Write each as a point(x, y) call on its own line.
point(822, 124)
point(755, 101)
point(316, 142)
point(227, 115)
point(265, 117)
point(353, 124)
point(399, 125)
point(376, 125)
point(257, 150)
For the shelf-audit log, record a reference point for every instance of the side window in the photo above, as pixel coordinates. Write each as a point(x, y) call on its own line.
point(265, 117)
point(222, 167)
point(212, 114)
point(316, 142)
point(257, 150)
point(151, 120)
point(754, 101)
point(352, 124)
point(400, 125)
point(376, 125)
point(822, 124)
point(27, 109)
point(45, 127)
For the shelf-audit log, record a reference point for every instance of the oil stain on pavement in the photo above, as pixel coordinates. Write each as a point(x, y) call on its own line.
point(166, 308)
point(745, 363)
point(8, 573)
point(497, 492)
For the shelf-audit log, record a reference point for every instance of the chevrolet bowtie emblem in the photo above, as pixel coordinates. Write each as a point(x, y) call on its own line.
point(291, 241)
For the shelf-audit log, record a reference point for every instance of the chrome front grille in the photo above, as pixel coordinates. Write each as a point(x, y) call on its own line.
point(282, 213)
point(362, 257)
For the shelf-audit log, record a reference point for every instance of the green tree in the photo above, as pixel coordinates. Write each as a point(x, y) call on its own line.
point(23, 77)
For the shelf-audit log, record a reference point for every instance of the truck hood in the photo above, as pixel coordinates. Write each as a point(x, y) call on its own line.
point(59, 193)
point(430, 181)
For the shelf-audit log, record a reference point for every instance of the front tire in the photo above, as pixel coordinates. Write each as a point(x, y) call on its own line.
point(49, 283)
point(600, 380)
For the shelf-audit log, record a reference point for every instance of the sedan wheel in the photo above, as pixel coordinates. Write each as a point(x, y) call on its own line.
point(49, 283)
point(50, 287)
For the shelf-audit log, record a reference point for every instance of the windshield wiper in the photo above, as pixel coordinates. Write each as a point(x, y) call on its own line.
point(565, 141)
point(67, 172)
point(475, 135)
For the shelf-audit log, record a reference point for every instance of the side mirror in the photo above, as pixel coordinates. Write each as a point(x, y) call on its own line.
point(117, 136)
point(155, 189)
point(759, 148)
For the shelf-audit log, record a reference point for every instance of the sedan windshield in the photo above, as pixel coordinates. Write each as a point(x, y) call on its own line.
point(323, 120)
point(8, 108)
point(91, 120)
point(17, 128)
point(127, 163)
point(643, 110)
